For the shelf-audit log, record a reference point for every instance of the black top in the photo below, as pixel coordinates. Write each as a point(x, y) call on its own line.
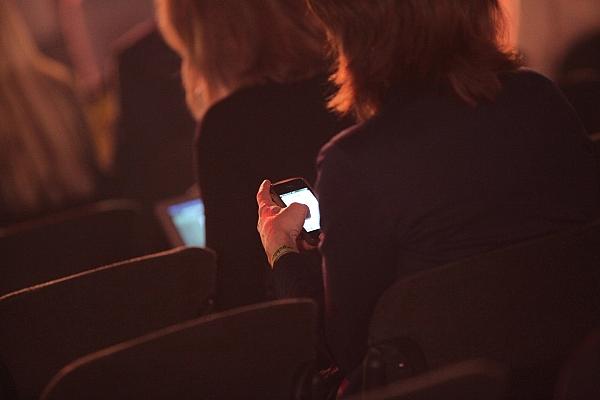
point(432, 180)
point(273, 131)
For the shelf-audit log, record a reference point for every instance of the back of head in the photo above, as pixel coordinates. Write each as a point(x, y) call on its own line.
point(451, 45)
point(228, 44)
point(41, 145)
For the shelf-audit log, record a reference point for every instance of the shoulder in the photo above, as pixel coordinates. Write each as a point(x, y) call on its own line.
point(264, 98)
point(527, 81)
point(527, 75)
point(239, 103)
point(535, 95)
point(354, 140)
point(234, 115)
point(259, 110)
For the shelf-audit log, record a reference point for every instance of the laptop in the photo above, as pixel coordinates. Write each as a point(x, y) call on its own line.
point(182, 219)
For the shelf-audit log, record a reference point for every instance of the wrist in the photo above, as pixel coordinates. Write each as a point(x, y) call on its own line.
point(279, 252)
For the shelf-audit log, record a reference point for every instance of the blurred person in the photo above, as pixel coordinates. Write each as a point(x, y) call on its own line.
point(579, 78)
point(255, 79)
point(550, 27)
point(42, 20)
point(46, 158)
point(459, 152)
point(91, 27)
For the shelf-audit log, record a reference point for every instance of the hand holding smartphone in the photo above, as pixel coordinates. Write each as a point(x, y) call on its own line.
point(297, 190)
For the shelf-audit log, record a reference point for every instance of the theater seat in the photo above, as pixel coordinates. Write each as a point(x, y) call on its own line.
point(477, 379)
point(596, 140)
point(46, 326)
point(68, 242)
point(580, 376)
point(525, 306)
point(254, 352)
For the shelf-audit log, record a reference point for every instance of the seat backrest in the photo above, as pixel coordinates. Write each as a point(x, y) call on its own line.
point(596, 141)
point(476, 379)
point(525, 306)
point(580, 376)
point(46, 326)
point(68, 242)
point(252, 352)
point(154, 135)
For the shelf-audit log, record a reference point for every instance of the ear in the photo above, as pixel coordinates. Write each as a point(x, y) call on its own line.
point(194, 85)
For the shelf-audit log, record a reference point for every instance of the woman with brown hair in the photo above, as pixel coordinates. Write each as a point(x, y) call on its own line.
point(459, 151)
point(255, 79)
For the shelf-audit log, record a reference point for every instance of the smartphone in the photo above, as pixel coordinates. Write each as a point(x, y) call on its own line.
point(297, 190)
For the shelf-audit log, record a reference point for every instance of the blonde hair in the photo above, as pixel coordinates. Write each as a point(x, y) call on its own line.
point(228, 44)
point(43, 160)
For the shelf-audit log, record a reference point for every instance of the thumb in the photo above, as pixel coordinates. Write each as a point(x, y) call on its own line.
point(292, 218)
point(296, 212)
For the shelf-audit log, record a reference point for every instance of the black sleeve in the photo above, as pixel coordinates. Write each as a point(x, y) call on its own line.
point(229, 176)
point(298, 275)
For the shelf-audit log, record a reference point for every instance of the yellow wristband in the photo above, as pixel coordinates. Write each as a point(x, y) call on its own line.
point(280, 252)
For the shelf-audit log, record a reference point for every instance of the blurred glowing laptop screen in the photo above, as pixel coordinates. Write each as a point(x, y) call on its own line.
point(183, 221)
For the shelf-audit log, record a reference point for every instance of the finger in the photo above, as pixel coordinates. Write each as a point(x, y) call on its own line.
point(297, 212)
point(264, 213)
point(304, 245)
point(292, 218)
point(263, 196)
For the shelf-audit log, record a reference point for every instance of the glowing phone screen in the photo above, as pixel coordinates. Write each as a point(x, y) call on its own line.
point(305, 196)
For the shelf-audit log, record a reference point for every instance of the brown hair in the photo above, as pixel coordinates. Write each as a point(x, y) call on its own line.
point(233, 43)
point(440, 44)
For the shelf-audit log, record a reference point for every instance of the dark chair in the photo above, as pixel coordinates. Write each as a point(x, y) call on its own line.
point(253, 352)
point(155, 130)
point(46, 326)
point(580, 376)
point(596, 141)
point(525, 306)
point(467, 380)
point(577, 75)
point(595, 137)
point(154, 152)
point(68, 242)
